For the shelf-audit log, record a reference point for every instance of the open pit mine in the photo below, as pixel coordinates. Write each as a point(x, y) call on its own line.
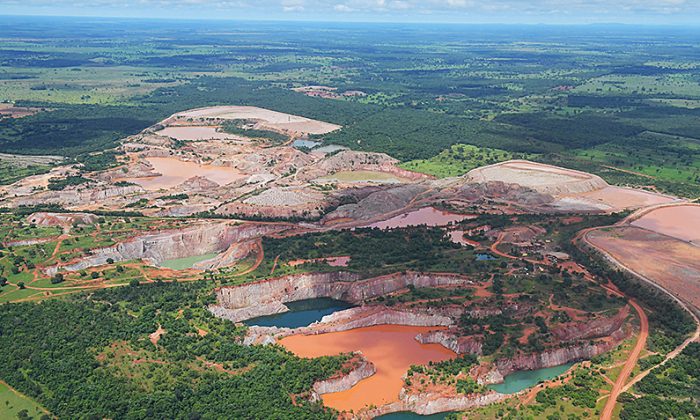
point(211, 198)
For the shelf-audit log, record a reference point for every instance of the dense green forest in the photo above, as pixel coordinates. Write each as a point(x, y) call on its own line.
point(608, 103)
point(116, 372)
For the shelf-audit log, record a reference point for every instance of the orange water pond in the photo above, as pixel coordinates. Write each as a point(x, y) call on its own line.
point(175, 171)
point(428, 216)
point(392, 349)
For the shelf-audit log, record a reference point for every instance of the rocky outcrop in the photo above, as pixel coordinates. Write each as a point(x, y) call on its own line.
point(362, 369)
point(453, 341)
point(431, 403)
point(368, 316)
point(61, 219)
point(379, 203)
point(556, 357)
point(600, 327)
point(180, 243)
point(238, 302)
point(359, 317)
point(499, 191)
point(77, 196)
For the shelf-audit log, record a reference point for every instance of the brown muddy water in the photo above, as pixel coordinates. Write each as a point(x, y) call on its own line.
point(175, 171)
point(429, 216)
point(392, 349)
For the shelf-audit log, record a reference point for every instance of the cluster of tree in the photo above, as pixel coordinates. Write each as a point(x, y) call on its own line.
point(98, 161)
point(50, 352)
point(581, 391)
point(368, 247)
point(57, 184)
point(239, 127)
point(669, 391)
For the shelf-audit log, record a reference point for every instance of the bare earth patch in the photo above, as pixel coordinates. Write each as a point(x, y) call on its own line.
point(681, 222)
point(195, 133)
point(272, 119)
point(669, 262)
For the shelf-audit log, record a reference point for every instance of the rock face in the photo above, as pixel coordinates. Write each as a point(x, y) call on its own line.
point(266, 297)
point(368, 316)
point(500, 191)
point(600, 327)
point(430, 403)
point(158, 247)
point(452, 341)
point(61, 219)
point(554, 357)
point(379, 203)
point(76, 196)
point(364, 369)
point(359, 317)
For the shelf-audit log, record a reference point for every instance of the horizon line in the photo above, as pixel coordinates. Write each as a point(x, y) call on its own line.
point(368, 22)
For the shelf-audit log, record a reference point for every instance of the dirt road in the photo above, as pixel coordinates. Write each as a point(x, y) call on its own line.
point(629, 364)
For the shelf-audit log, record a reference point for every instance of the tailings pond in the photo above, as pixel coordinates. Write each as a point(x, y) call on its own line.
point(429, 216)
point(517, 381)
point(174, 172)
point(392, 349)
point(301, 313)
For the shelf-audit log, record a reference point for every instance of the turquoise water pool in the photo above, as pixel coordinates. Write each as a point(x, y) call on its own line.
point(524, 379)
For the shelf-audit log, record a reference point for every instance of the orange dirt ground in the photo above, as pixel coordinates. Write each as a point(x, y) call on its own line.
point(673, 264)
point(681, 222)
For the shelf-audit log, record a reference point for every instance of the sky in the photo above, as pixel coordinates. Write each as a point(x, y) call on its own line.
point(681, 12)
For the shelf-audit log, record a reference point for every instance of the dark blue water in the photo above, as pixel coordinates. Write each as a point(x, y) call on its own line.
point(484, 257)
point(407, 415)
point(301, 313)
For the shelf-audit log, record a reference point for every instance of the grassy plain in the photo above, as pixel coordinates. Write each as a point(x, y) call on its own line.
point(12, 403)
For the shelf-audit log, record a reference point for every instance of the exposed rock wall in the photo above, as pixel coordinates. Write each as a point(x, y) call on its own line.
point(61, 219)
point(556, 357)
point(377, 315)
point(431, 403)
point(363, 370)
point(76, 196)
point(452, 341)
point(240, 301)
point(158, 247)
point(359, 317)
point(379, 203)
point(600, 327)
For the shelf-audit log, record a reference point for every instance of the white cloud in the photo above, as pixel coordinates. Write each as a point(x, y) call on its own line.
point(292, 6)
point(650, 11)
